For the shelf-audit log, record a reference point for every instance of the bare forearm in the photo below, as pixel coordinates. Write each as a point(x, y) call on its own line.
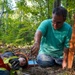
point(65, 54)
point(65, 58)
point(37, 37)
point(36, 46)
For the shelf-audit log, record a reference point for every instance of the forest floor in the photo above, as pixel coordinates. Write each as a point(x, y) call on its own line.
point(55, 70)
point(36, 70)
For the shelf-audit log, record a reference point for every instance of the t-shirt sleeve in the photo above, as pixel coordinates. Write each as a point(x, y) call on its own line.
point(43, 27)
point(68, 38)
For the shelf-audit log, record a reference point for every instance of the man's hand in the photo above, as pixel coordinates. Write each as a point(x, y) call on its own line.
point(64, 64)
point(65, 58)
point(37, 38)
point(35, 48)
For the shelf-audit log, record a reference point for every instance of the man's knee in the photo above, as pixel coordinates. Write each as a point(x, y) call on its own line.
point(45, 61)
point(45, 64)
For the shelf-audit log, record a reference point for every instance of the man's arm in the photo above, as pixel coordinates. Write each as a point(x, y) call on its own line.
point(36, 46)
point(65, 58)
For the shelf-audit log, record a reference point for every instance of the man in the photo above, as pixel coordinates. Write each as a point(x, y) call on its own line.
point(11, 62)
point(52, 40)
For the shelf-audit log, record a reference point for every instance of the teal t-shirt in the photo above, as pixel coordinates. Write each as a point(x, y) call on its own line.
point(53, 41)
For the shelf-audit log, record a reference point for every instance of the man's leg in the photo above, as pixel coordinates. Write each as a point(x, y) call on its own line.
point(45, 60)
point(58, 61)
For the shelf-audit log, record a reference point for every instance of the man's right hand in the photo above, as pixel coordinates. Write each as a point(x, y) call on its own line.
point(37, 38)
point(35, 48)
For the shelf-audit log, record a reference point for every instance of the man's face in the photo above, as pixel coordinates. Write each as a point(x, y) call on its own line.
point(57, 21)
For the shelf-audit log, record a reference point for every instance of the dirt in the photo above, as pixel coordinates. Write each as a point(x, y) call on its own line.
point(55, 70)
point(36, 70)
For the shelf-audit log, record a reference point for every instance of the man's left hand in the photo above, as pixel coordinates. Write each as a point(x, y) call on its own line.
point(64, 64)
